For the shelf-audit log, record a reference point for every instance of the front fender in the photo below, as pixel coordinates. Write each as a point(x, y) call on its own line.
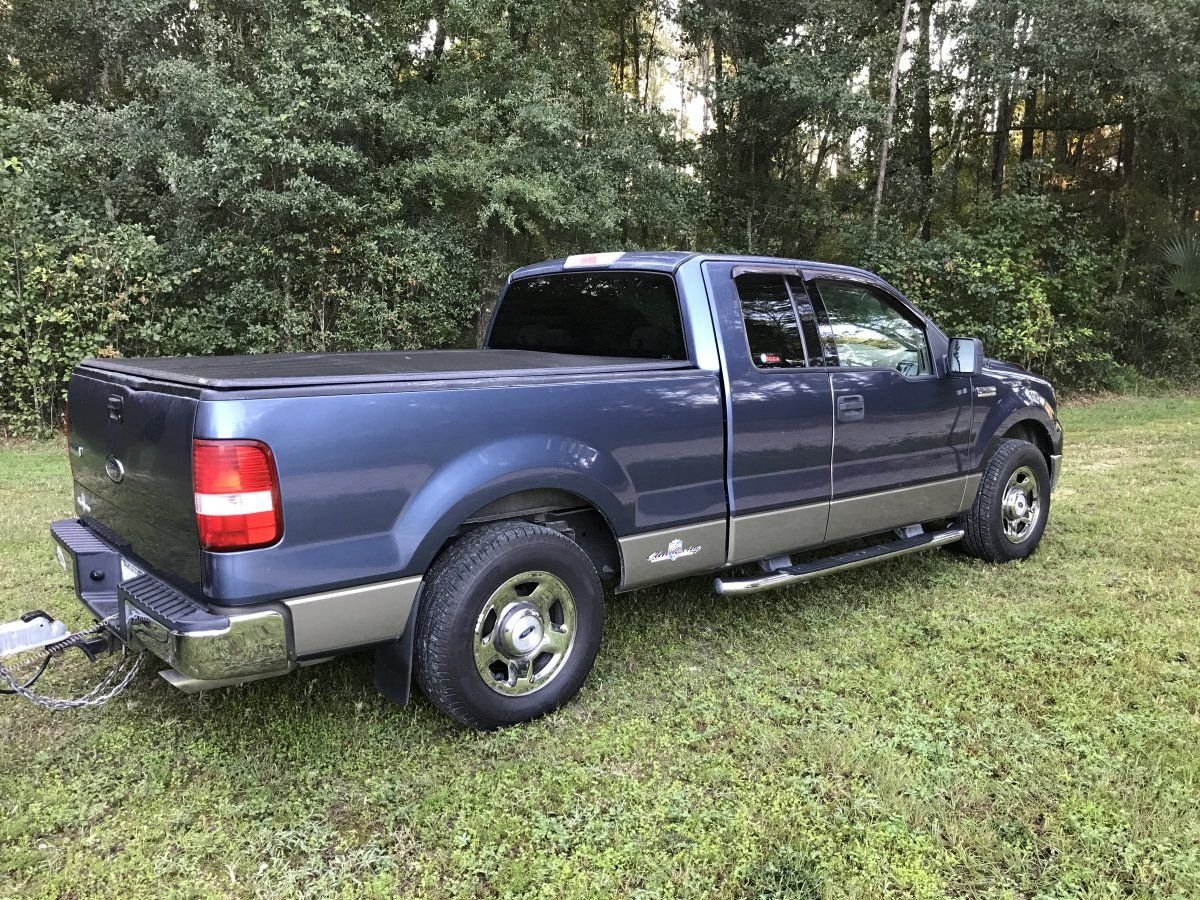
point(1020, 404)
point(469, 482)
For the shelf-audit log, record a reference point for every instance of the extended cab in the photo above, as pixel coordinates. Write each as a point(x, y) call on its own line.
point(631, 419)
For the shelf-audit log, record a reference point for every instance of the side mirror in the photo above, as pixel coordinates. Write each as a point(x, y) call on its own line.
point(965, 356)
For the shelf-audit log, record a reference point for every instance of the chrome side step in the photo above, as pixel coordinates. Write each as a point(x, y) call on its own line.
point(843, 561)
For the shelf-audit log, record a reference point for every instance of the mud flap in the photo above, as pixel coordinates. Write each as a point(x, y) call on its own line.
point(394, 661)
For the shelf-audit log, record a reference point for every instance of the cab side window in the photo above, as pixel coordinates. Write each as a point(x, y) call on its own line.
point(870, 330)
point(772, 330)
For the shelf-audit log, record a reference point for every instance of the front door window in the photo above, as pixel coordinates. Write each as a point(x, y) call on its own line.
point(871, 331)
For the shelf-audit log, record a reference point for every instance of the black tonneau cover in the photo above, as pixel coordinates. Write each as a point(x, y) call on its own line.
point(268, 370)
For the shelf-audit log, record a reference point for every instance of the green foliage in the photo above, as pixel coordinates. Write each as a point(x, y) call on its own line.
point(72, 286)
point(292, 175)
point(1181, 260)
point(305, 176)
point(1023, 277)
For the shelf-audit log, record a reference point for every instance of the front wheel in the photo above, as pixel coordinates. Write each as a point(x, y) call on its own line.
point(1009, 514)
point(509, 625)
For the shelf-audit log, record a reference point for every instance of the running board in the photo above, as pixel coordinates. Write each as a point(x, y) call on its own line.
point(840, 563)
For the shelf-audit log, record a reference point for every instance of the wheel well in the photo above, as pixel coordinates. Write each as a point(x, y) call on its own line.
point(563, 511)
point(1035, 433)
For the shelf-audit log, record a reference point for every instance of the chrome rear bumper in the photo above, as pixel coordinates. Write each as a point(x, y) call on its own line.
point(200, 642)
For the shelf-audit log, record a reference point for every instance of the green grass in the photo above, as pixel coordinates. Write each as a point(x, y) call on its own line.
point(928, 727)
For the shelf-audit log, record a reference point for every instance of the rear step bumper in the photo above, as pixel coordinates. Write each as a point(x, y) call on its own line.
point(840, 563)
point(146, 613)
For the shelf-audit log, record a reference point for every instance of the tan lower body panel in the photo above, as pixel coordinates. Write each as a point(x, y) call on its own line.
point(672, 553)
point(856, 516)
point(351, 617)
point(781, 531)
point(766, 534)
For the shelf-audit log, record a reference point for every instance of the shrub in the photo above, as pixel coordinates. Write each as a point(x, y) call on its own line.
point(1022, 277)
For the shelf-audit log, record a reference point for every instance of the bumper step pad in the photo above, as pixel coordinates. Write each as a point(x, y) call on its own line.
point(169, 607)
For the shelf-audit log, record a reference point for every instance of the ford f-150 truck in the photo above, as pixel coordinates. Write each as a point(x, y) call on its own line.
point(632, 418)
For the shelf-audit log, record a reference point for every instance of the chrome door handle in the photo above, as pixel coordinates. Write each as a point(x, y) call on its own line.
point(851, 408)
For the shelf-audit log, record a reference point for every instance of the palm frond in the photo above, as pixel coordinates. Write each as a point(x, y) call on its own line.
point(1181, 267)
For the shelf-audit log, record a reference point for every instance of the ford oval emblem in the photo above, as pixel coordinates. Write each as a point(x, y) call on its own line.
point(116, 471)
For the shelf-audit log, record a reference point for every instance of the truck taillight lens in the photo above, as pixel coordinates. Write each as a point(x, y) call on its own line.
point(237, 494)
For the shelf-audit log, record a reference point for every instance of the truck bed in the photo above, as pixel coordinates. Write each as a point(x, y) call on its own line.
point(269, 370)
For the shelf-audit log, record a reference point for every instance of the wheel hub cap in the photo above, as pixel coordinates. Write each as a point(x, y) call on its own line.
point(1021, 506)
point(525, 633)
point(521, 630)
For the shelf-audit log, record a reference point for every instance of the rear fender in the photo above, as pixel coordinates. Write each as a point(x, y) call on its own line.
point(470, 482)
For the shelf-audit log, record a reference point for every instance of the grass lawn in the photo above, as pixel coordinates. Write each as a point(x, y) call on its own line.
point(928, 727)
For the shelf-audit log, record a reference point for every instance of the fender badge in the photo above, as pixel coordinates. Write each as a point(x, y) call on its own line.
point(114, 470)
point(674, 551)
point(81, 502)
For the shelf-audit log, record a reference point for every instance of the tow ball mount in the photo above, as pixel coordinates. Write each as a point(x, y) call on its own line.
point(29, 643)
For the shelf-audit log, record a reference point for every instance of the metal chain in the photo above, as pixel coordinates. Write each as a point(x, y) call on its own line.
point(97, 696)
point(30, 664)
point(108, 688)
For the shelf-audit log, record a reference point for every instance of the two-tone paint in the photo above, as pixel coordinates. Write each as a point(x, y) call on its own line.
point(691, 467)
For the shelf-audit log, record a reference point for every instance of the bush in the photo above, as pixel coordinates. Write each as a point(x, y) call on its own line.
point(1022, 277)
point(300, 176)
point(70, 289)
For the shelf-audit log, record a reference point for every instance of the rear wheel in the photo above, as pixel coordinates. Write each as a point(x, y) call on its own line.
point(1009, 514)
point(509, 625)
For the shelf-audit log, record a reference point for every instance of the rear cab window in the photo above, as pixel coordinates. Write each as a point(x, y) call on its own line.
point(612, 313)
point(781, 330)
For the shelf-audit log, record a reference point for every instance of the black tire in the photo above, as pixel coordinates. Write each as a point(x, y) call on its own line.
point(984, 522)
point(463, 583)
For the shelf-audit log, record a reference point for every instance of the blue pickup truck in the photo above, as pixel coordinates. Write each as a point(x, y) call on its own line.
point(632, 418)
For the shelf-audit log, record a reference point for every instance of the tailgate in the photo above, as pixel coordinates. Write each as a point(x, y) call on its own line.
point(131, 459)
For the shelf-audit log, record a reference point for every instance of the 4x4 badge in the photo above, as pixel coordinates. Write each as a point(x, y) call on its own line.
point(674, 551)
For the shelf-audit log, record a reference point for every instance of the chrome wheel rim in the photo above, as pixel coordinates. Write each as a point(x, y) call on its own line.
point(525, 633)
point(1022, 505)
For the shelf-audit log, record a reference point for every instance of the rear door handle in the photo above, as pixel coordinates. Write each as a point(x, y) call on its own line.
point(851, 408)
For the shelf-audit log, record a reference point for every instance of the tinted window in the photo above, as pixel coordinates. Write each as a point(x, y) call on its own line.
point(870, 330)
point(631, 314)
point(808, 324)
point(770, 320)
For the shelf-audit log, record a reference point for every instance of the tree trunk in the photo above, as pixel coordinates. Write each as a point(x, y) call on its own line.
point(1003, 114)
point(891, 114)
point(1000, 143)
point(649, 68)
point(621, 55)
point(718, 106)
point(1027, 121)
point(1125, 155)
point(922, 117)
point(636, 52)
point(439, 42)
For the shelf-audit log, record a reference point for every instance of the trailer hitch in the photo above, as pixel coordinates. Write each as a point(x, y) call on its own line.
point(37, 638)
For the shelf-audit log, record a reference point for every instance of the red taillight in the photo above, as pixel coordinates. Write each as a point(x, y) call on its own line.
point(237, 494)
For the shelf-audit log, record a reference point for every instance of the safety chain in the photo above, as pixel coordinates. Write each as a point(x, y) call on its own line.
point(118, 678)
